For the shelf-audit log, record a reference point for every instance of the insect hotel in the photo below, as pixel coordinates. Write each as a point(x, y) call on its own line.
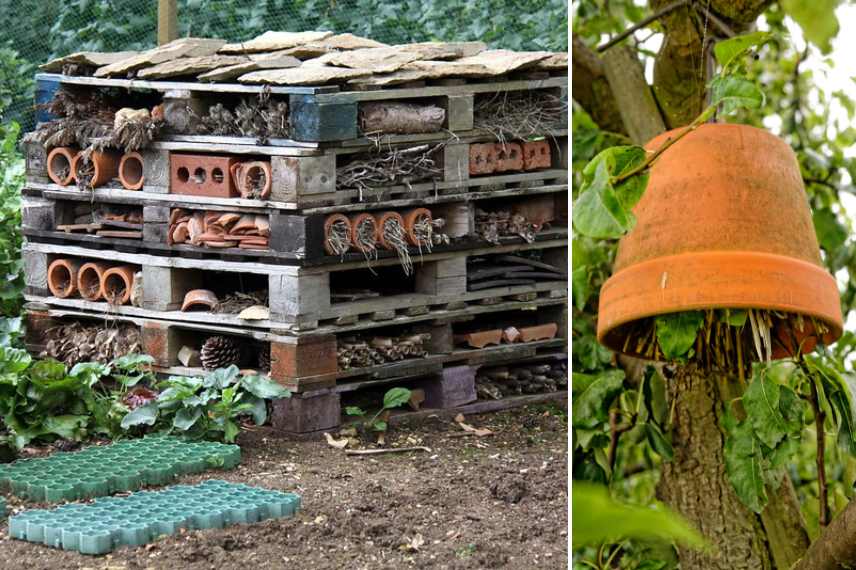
point(343, 215)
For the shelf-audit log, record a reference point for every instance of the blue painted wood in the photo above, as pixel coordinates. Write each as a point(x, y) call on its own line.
point(45, 89)
point(321, 122)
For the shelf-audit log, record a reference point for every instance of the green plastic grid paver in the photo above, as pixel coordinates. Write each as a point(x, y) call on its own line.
point(123, 466)
point(139, 518)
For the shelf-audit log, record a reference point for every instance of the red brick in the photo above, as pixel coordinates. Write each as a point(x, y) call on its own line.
point(509, 157)
point(309, 356)
point(156, 342)
point(536, 154)
point(483, 158)
point(202, 175)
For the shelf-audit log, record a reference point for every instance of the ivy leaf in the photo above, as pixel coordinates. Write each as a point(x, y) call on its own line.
point(592, 394)
point(743, 466)
point(654, 390)
point(830, 232)
point(816, 18)
point(602, 209)
point(734, 92)
point(580, 286)
point(598, 518)
point(761, 402)
point(676, 332)
point(396, 397)
point(658, 441)
point(727, 51)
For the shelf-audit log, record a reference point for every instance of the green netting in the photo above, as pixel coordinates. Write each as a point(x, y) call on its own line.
point(37, 30)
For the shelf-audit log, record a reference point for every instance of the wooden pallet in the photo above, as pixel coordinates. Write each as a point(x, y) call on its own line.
point(307, 179)
point(327, 113)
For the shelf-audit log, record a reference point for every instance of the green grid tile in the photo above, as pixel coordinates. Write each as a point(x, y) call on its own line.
point(123, 466)
point(139, 518)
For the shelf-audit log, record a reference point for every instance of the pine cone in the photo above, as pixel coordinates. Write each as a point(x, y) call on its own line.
point(264, 357)
point(220, 352)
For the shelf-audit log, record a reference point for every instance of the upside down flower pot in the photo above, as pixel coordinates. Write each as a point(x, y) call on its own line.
point(724, 224)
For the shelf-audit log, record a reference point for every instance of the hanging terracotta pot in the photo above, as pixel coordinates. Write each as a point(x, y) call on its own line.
point(117, 284)
point(60, 160)
point(411, 219)
point(131, 173)
point(89, 280)
point(384, 219)
point(724, 223)
point(342, 225)
point(62, 277)
point(364, 231)
point(100, 168)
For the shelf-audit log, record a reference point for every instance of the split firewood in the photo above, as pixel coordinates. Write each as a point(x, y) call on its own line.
point(400, 118)
point(360, 353)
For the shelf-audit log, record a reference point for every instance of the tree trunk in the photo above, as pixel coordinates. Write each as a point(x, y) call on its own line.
point(695, 482)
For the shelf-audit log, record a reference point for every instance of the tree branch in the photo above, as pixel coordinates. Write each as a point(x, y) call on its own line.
point(653, 17)
point(591, 88)
point(834, 548)
point(823, 491)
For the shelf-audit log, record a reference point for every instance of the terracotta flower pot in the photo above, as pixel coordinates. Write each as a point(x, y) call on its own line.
point(364, 220)
point(381, 224)
point(411, 218)
point(724, 223)
point(131, 173)
point(199, 298)
point(117, 284)
point(62, 277)
point(60, 161)
point(338, 220)
point(89, 279)
point(105, 167)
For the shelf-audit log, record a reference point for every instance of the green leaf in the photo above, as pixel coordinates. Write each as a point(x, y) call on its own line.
point(396, 397)
point(354, 411)
point(658, 441)
point(743, 466)
point(592, 395)
point(580, 287)
point(132, 362)
point(222, 377)
point(676, 332)
point(257, 407)
point(230, 431)
point(654, 390)
point(761, 402)
point(816, 18)
point(830, 232)
point(264, 387)
point(727, 51)
point(186, 417)
point(66, 426)
point(736, 317)
point(598, 519)
point(734, 92)
point(144, 415)
point(602, 209)
point(379, 425)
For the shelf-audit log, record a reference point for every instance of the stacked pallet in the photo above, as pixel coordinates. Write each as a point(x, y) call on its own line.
point(331, 211)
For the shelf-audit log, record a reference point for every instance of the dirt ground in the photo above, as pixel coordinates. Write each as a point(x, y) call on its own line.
point(498, 501)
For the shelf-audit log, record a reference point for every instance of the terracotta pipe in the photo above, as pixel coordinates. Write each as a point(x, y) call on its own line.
point(329, 222)
point(62, 277)
point(117, 284)
point(243, 174)
point(199, 298)
point(105, 164)
point(131, 173)
point(89, 279)
point(381, 222)
point(60, 165)
point(411, 218)
point(359, 221)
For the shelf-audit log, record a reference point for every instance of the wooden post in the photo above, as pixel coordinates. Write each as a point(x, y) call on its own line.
point(167, 21)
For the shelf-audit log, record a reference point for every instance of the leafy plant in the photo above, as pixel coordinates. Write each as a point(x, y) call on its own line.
point(208, 406)
point(394, 398)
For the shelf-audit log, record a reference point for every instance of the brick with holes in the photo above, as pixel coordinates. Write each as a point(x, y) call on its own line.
point(202, 175)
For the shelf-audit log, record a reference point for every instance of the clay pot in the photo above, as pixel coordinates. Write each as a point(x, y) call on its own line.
point(62, 277)
point(105, 164)
point(117, 284)
point(357, 222)
point(244, 175)
point(131, 171)
point(381, 221)
point(89, 280)
point(410, 219)
point(538, 332)
point(481, 339)
point(60, 161)
point(724, 223)
point(328, 227)
point(199, 298)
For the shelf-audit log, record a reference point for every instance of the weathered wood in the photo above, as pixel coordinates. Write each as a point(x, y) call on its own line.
point(633, 96)
point(459, 113)
point(319, 122)
point(35, 272)
point(303, 415)
point(299, 297)
point(167, 21)
point(456, 386)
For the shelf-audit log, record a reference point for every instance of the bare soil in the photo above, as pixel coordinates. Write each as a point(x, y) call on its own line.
point(498, 501)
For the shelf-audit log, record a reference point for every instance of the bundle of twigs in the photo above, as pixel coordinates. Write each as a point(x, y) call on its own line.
point(389, 168)
point(339, 238)
point(75, 342)
point(234, 303)
point(354, 352)
point(519, 114)
point(261, 118)
point(490, 226)
point(394, 235)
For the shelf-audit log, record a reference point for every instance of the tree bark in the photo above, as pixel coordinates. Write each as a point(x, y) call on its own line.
point(636, 103)
point(695, 482)
point(591, 90)
point(835, 547)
